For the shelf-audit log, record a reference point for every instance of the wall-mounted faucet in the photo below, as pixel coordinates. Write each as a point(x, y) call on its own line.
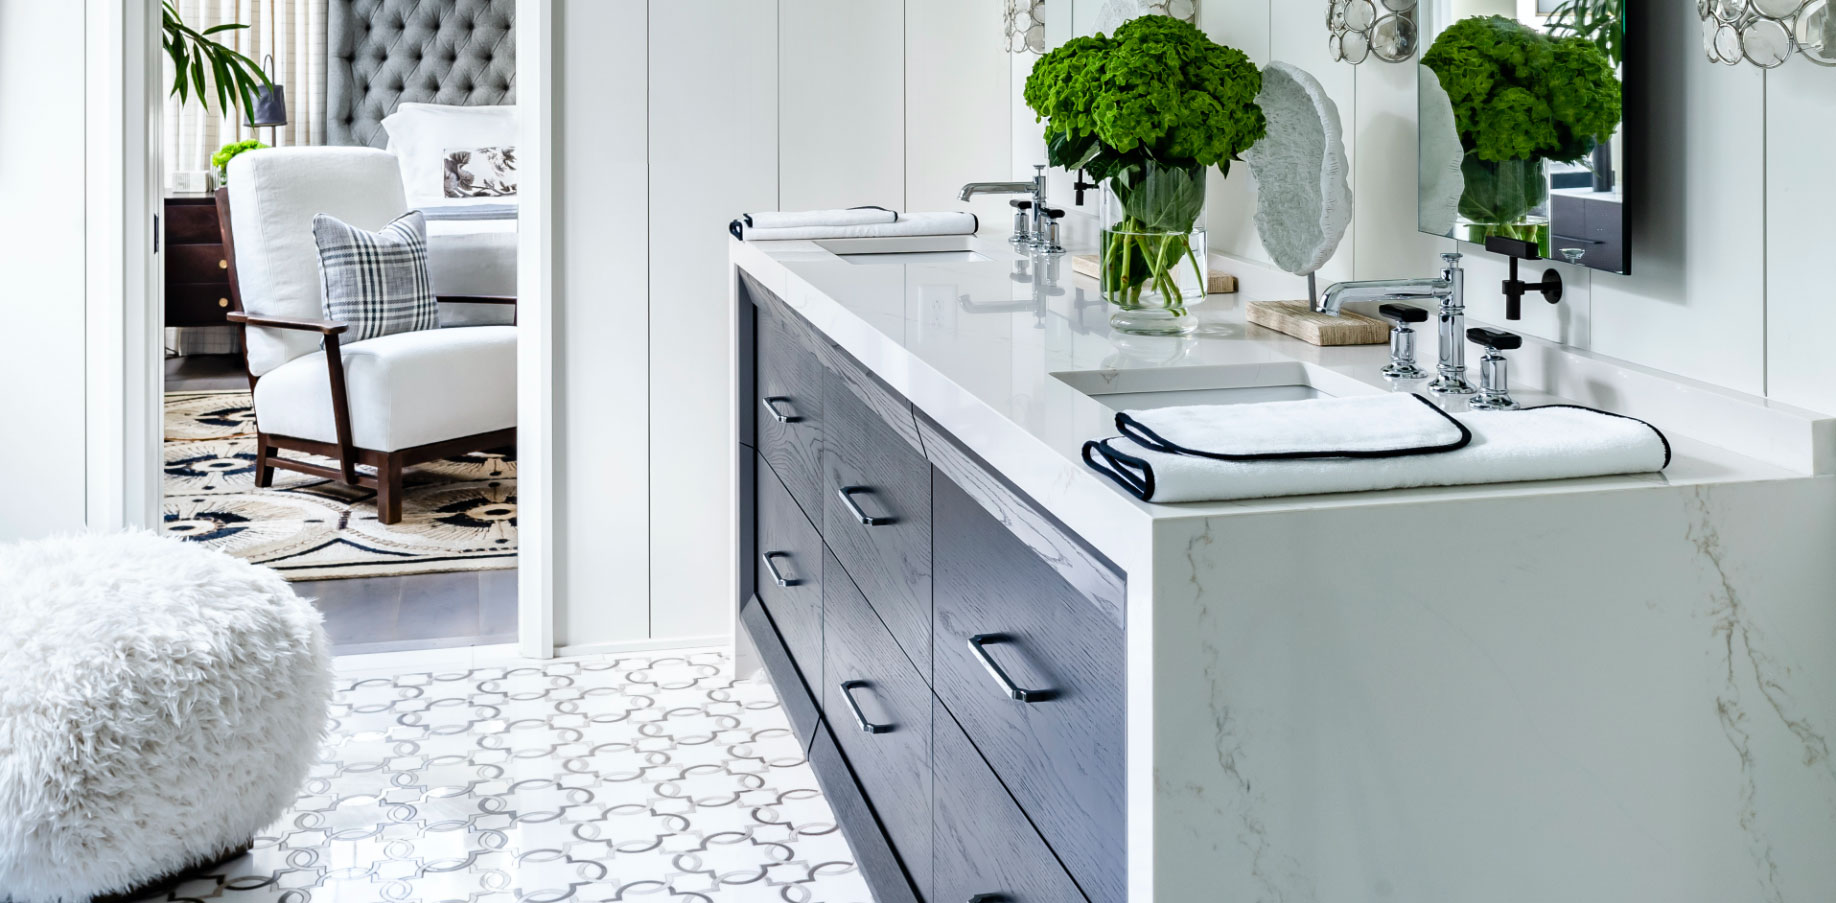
point(1036, 233)
point(1449, 289)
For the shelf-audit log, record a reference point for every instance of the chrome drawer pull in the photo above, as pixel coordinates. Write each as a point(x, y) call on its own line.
point(847, 494)
point(771, 567)
point(1014, 691)
point(847, 690)
point(771, 403)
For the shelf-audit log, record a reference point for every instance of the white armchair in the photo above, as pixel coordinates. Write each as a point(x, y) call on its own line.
point(375, 406)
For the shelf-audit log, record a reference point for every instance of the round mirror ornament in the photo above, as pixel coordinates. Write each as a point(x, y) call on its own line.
point(1767, 33)
point(1357, 30)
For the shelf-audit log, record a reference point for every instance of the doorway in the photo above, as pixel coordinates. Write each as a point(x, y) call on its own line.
point(462, 566)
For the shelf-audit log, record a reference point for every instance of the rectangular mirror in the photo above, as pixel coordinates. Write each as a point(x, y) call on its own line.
point(1529, 151)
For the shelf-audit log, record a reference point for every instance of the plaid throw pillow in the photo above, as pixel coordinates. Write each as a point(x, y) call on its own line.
point(378, 282)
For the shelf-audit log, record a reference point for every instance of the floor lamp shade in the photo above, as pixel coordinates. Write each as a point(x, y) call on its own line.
point(270, 106)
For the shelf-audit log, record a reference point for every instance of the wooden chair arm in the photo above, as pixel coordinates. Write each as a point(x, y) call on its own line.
point(477, 299)
point(322, 327)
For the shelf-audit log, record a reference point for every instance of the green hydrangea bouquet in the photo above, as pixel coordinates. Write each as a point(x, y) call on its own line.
point(1520, 97)
point(221, 159)
point(1147, 111)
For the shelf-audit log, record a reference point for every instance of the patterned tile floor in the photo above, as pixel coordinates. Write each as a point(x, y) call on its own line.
point(656, 777)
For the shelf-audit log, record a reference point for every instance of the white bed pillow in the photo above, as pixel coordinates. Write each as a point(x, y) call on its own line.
point(422, 134)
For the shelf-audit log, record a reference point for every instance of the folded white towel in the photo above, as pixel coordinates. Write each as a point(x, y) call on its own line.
point(908, 225)
point(1367, 426)
point(804, 219)
point(1557, 442)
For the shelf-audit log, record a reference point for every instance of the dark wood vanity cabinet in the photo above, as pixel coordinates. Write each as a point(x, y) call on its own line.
point(959, 687)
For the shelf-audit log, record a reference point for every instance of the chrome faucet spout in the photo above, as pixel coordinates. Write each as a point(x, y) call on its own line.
point(974, 188)
point(1332, 301)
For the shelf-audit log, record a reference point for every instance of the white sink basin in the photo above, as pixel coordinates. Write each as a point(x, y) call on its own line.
point(1136, 390)
point(899, 251)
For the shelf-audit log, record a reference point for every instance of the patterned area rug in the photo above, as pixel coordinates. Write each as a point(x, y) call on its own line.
point(458, 514)
point(636, 778)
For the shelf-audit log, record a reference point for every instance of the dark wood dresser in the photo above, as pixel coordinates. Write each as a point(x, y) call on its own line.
point(197, 270)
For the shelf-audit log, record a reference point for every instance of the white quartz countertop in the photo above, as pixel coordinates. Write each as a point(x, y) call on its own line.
point(977, 345)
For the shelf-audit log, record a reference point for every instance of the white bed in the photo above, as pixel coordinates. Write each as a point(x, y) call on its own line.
point(472, 256)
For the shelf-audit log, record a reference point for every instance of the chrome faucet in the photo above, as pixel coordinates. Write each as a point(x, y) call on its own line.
point(1037, 188)
point(1449, 289)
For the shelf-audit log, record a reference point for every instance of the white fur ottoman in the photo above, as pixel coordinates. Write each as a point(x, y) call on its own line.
point(159, 704)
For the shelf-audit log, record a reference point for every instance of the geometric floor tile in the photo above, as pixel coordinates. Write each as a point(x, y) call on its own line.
point(655, 777)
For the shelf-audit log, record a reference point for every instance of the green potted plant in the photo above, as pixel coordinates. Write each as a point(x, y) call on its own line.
point(220, 160)
point(1520, 98)
point(200, 63)
point(1145, 112)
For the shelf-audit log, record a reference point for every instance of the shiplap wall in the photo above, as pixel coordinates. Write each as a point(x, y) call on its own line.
point(676, 118)
point(1733, 204)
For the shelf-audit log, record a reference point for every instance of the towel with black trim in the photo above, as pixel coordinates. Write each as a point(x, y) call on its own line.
point(1361, 426)
point(1555, 442)
point(861, 222)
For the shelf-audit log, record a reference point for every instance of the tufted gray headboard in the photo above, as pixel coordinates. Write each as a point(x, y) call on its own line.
point(384, 52)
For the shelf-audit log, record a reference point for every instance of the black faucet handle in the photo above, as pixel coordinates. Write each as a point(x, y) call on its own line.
point(1495, 339)
point(1020, 204)
point(1404, 313)
point(1054, 213)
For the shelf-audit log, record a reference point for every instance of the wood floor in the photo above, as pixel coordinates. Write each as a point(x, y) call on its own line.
point(382, 614)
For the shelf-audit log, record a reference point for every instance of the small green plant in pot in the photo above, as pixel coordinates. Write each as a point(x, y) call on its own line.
point(1146, 112)
point(221, 159)
point(1520, 98)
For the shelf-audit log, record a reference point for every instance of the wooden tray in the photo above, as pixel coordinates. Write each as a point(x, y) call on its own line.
point(1296, 319)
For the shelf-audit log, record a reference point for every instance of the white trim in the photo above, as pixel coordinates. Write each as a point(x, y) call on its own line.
point(122, 291)
point(535, 346)
point(691, 643)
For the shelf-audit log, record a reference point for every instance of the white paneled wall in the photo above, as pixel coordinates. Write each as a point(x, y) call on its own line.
point(1733, 204)
point(1801, 235)
point(601, 259)
point(41, 251)
point(841, 123)
point(676, 118)
point(714, 153)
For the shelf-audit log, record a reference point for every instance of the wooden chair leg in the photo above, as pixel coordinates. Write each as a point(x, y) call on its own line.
point(389, 489)
point(264, 470)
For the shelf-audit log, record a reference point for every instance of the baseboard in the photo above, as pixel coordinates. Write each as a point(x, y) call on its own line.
point(651, 645)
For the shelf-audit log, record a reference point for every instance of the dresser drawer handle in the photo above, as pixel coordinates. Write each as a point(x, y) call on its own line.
point(771, 567)
point(1012, 690)
point(988, 898)
point(847, 690)
point(223, 264)
point(848, 493)
point(771, 407)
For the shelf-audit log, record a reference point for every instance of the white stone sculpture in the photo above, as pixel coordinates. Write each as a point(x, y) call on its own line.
point(1302, 176)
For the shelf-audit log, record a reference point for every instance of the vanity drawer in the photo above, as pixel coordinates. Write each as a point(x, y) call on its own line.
point(877, 514)
point(985, 846)
point(789, 572)
point(872, 854)
point(879, 709)
point(1033, 671)
point(789, 413)
point(793, 694)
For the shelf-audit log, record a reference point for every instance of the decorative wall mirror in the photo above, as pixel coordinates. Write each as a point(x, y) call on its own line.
point(1532, 153)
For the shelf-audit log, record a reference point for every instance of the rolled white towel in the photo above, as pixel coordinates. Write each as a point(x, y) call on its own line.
point(1556, 442)
point(1367, 426)
point(908, 225)
point(805, 219)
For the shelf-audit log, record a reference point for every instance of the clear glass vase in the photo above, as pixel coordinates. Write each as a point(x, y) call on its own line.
point(1508, 199)
point(1153, 249)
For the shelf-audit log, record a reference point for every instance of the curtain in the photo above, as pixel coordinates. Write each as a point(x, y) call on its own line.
point(293, 32)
